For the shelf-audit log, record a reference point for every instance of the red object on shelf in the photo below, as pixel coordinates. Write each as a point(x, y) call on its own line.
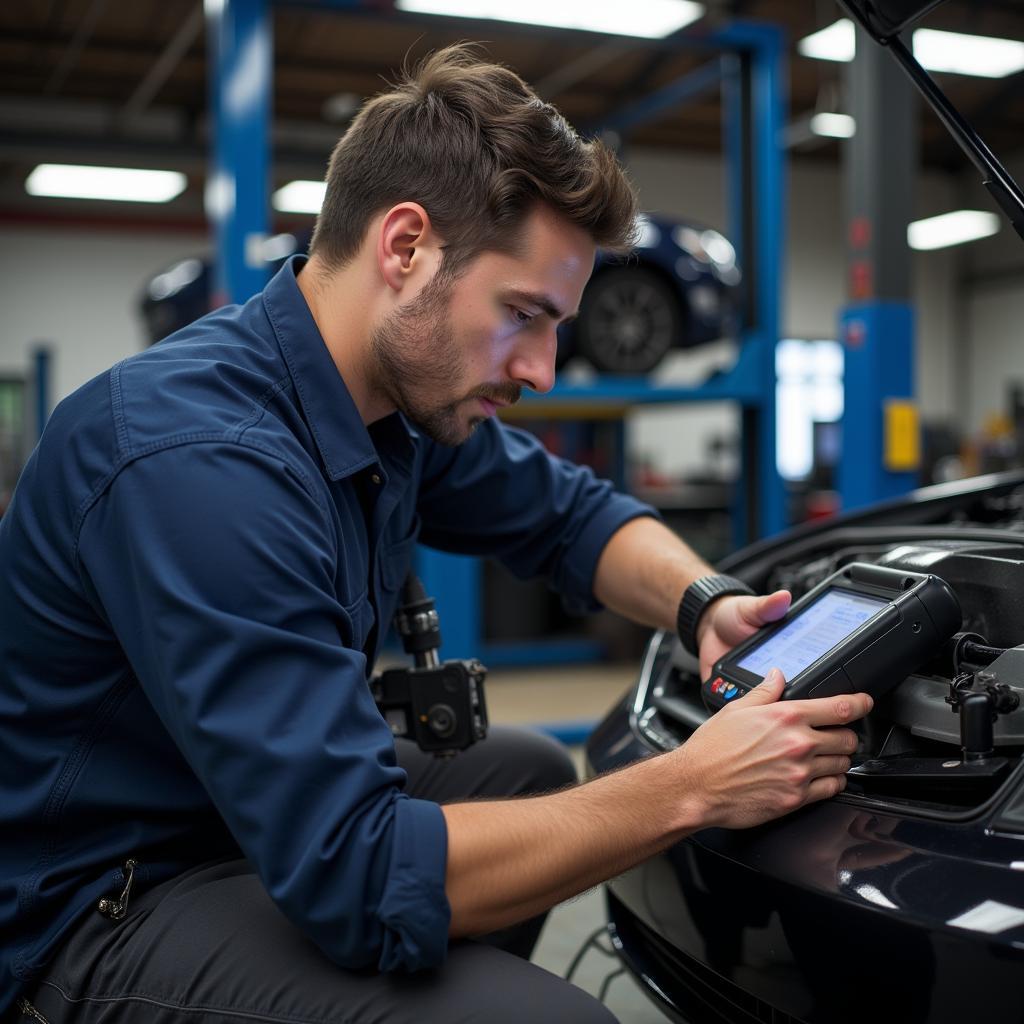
point(822, 505)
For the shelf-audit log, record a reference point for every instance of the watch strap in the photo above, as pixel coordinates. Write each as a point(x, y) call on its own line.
point(696, 598)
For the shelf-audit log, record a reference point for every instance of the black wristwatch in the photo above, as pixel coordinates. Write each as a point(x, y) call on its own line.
point(697, 596)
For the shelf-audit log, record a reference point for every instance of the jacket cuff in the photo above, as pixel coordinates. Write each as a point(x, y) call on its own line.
point(414, 907)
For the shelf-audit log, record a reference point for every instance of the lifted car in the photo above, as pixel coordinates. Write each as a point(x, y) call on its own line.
point(677, 289)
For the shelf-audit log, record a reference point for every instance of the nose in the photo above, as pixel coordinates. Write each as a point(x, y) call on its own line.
point(533, 361)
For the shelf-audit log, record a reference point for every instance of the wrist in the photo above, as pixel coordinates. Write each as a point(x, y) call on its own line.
point(668, 795)
point(704, 622)
point(692, 809)
point(691, 621)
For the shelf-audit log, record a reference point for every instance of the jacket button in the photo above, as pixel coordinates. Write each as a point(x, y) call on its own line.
point(376, 478)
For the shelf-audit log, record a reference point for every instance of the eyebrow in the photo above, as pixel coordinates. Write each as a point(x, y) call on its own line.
point(543, 302)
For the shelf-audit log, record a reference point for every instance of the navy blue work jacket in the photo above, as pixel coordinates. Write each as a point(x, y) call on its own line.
point(194, 570)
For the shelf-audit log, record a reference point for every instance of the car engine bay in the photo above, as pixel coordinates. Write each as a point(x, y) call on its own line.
point(946, 740)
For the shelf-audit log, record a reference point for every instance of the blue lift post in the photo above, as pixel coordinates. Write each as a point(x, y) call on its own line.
point(753, 73)
point(881, 446)
point(239, 34)
point(756, 100)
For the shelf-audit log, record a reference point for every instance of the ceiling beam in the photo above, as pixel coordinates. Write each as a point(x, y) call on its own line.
point(576, 71)
point(74, 50)
point(164, 66)
point(297, 153)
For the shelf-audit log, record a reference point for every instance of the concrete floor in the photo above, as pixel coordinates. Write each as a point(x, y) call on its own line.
point(575, 694)
point(567, 929)
point(571, 693)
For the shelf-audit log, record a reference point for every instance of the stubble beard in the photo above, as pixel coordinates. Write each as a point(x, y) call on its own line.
point(415, 359)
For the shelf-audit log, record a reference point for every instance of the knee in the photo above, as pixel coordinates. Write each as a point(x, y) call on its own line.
point(560, 1004)
point(543, 763)
point(579, 1007)
point(484, 985)
point(553, 765)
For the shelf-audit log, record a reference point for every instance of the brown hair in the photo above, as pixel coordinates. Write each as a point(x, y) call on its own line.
point(476, 147)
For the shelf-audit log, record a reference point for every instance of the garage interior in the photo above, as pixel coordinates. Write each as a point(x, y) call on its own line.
point(824, 178)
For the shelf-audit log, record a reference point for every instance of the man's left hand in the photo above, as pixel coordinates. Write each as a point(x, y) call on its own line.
point(730, 620)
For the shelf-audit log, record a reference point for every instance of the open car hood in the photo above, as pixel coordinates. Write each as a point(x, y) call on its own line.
point(884, 20)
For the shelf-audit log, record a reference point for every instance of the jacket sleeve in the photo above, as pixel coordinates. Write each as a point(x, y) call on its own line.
point(503, 494)
point(223, 597)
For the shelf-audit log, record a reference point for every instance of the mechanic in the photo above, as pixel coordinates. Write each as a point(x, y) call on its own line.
point(200, 558)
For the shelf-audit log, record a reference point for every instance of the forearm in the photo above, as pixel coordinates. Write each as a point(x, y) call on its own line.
point(643, 572)
point(754, 760)
point(510, 860)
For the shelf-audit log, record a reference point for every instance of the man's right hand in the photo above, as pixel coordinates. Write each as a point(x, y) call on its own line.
point(760, 757)
point(756, 759)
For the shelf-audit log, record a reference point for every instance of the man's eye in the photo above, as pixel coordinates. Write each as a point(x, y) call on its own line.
point(520, 316)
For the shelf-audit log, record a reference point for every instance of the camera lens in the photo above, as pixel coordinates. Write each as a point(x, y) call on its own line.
point(441, 721)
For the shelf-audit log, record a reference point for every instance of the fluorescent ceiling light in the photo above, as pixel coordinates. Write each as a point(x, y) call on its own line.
point(75, 181)
point(278, 247)
point(962, 54)
point(951, 229)
point(956, 52)
point(300, 197)
point(837, 42)
point(181, 275)
point(649, 19)
point(835, 126)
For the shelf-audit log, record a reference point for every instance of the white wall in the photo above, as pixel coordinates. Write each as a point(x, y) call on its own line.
point(76, 290)
point(993, 269)
point(996, 318)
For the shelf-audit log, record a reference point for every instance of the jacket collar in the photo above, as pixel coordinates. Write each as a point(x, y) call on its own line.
point(342, 439)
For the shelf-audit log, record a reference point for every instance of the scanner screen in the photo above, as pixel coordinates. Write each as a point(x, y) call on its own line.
point(812, 634)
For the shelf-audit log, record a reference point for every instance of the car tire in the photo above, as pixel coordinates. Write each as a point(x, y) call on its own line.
point(629, 319)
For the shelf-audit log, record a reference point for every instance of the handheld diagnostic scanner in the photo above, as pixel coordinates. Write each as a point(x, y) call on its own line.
point(864, 629)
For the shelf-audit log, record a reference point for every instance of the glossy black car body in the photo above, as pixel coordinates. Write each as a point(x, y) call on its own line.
point(889, 903)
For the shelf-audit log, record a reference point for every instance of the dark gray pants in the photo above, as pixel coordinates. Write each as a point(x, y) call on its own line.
point(211, 946)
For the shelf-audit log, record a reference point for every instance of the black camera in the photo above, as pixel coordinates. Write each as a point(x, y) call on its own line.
point(441, 707)
point(438, 704)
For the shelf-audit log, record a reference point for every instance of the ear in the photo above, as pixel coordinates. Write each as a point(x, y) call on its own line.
point(408, 249)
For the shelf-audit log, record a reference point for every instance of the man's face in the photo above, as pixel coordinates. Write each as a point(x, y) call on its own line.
point(462, 348)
